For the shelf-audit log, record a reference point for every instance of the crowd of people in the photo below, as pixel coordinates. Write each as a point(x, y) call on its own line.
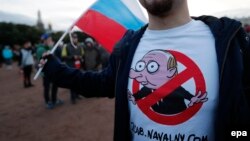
point(87, 55)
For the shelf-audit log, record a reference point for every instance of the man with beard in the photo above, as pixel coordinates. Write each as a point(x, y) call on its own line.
point(209, 55)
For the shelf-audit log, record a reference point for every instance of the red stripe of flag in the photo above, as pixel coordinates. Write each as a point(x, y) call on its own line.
point(106, 31)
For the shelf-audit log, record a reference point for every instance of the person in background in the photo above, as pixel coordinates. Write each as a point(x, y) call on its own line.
point(16, 52)
point(50, 89)
point(104, 56)
point(247, 28)
point(7, 56)
point(72, 55)
point(1, 56)
point(26, 63)
point(92, 56)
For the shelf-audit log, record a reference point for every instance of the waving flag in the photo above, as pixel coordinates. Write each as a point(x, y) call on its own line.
point(108, 20)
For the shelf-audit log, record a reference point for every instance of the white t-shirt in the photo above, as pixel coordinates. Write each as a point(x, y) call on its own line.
point(173, 84)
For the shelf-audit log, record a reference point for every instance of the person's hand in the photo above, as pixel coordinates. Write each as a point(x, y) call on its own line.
point(198, 98)
point(44, 59)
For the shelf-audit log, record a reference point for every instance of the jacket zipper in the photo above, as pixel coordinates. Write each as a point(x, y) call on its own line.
point(227, 49)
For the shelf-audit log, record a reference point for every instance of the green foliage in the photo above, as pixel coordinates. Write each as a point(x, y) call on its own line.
point(17, 33)
point(11, 34)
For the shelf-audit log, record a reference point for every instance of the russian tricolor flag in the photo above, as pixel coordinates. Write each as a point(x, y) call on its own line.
point(108, 20)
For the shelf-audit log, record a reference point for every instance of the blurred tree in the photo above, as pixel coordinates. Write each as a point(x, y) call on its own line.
point(17, 33)
point(11, 34)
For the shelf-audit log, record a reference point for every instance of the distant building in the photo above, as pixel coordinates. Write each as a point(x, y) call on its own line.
point(49, 27)
point(40, 24)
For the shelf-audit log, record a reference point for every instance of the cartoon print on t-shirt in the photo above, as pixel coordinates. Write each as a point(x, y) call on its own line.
point(155, 69)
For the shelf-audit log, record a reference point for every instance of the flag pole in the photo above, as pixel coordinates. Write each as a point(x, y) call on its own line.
point(60, 40)
point(52, 51)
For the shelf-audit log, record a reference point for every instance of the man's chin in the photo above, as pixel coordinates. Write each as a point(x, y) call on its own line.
point(158, 8)
point(160, 14)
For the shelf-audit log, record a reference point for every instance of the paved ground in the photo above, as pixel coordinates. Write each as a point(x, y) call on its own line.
point(23, 116)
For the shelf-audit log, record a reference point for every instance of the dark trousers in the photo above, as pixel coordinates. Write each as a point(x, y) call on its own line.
point(27, 74)
point(47, 84)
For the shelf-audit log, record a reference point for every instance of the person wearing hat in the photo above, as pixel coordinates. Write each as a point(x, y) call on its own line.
point(50, 99)
point(92, 56)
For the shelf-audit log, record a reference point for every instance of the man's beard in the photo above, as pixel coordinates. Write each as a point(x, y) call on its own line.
point(157, 7)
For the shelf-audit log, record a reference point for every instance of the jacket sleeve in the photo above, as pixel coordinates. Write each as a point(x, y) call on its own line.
point(89, 83)
point(245, 50)
point(244, 44)
point(246, 61)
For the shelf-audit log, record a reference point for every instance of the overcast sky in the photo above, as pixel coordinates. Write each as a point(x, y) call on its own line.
point(62, 13)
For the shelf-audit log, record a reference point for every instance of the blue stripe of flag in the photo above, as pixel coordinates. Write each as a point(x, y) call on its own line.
point(116, 10)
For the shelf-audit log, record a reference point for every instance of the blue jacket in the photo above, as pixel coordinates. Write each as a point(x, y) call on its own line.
point(7, 53)
point(232, 45)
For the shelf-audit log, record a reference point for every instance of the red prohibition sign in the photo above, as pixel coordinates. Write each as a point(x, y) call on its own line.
point(191, 71)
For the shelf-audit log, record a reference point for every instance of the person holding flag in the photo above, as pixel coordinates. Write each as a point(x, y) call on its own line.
point(50, 88)
point(203, 56)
